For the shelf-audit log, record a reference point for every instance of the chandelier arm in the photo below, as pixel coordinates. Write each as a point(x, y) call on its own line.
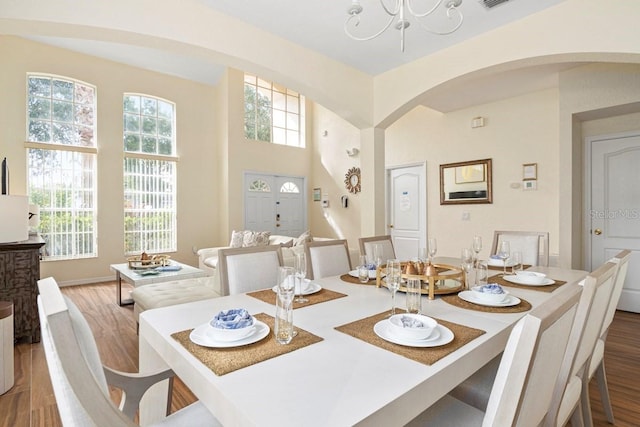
point(397, 9)
point(427, 13)
point(346, 29)
point(444, 33)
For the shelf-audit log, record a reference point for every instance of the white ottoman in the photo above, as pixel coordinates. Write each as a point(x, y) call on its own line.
point(6, 346)
point(164, 294)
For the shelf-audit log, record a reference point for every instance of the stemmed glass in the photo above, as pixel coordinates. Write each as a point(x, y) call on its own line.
point(377, 254)
point(477, 246)
point(504, 253)
point(432, 247)
point(301, 273)
point(466, 260)
point(393, 281)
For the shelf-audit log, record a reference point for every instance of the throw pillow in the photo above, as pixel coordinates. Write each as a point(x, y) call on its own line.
point(237, 237)
point(256, 238)
point(288, 244)
point(303, 238)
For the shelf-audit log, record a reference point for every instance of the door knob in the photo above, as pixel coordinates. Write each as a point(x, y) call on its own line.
point(390, 225)
point(597, 232)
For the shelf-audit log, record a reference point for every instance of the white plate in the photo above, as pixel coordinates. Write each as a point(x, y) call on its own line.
point(498, 262)
point(513, 278)
point(354, 273)
point(311, 288)
point(384, 331)
point(201, 336)
point(470, 297)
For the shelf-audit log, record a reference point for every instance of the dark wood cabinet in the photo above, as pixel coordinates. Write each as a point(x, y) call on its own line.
point(19, 275)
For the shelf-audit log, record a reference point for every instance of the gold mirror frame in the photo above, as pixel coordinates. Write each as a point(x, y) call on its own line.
point(466, 182)
point(352, 180)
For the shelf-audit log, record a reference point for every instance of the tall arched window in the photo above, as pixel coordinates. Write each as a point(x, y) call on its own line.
point(62, 155)
point(150, 163)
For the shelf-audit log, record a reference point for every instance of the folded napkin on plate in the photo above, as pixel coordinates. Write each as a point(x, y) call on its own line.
point(235, 318)
point(168, 268)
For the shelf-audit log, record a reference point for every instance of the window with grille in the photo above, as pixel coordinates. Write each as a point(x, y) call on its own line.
point(61, 164)
point(273, 113)
point(149, 175)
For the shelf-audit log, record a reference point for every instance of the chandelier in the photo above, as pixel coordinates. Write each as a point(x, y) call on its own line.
point(400, 10)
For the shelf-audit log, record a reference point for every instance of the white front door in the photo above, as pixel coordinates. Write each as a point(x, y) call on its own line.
point(614, 216)
point(407, 210)
point(275, 203)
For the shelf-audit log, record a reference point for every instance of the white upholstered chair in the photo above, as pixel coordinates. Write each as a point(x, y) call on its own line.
point(534, 245)
point(80, 381)
point(327, 258)
point(367, 244)
point(248, 269)
point(566, 402)
point(521, 392)
point(596, 363)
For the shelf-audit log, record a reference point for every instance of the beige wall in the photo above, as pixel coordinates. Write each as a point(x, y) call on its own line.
point(518, 130)
point(196, 146)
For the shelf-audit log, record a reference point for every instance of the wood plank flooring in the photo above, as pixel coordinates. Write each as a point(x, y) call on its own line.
point(31, 403)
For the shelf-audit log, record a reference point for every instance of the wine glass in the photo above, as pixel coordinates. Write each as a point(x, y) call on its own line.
point(504, 253)
point(477, 246)
point(301, 272)
point(393, 281)
point(432, 248)
point(377, 254)
point(466, 260)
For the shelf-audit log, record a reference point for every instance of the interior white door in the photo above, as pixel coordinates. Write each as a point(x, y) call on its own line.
point(407, 210)
point(615, 207)
point(275, 203)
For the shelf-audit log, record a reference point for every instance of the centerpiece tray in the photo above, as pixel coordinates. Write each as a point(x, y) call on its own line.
point(438, 282)
point(146, 262)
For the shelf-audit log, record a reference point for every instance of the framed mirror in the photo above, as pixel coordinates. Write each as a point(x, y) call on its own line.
point(466, 182)
point(352, 180)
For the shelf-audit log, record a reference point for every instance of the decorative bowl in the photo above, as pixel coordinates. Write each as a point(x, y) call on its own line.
point(531, 277)
point(412, 326)
point(232, 325)
point(492, 293)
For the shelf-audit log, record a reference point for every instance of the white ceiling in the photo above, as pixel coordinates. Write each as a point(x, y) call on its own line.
point(318, 25)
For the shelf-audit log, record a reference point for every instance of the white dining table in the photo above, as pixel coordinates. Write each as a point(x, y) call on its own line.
point(338, 381)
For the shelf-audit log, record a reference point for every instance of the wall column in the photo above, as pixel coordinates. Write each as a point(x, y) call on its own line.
point(372, 169)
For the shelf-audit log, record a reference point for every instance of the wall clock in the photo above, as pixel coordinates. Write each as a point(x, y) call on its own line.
point(352, 180)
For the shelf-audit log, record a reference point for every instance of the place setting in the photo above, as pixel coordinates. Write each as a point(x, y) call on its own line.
point(234, 339)
point(524, 279)
point(365, 274)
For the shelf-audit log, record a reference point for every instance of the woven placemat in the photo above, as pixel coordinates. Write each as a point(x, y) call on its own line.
point(499, 267)
point(350, 279)
point(323, 295)
point(459, 302)
point(363, 330)
point(224, 360)
point(548, 288)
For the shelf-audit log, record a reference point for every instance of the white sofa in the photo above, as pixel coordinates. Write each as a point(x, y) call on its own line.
point(208, 257)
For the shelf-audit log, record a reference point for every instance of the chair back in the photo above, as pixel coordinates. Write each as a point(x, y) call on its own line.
point(622, 260)
point(534, 245)
point(524, 383)
point(596, 294)
point(76, 371)
point(327, 258)
point(248, 269)
point(367, 244)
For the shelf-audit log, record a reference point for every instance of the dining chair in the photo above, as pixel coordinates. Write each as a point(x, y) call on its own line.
point(80, 381)
point(534, 245)
point(248, 269)
point(327, 258)
point(367, 244)
point(521, 391)
point(596, 363)
point(566, 403)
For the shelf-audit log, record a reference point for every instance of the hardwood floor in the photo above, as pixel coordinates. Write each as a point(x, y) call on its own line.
point(31, 403)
